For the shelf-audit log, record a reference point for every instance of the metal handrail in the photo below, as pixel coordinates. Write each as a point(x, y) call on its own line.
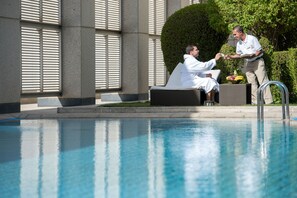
point(285, 99)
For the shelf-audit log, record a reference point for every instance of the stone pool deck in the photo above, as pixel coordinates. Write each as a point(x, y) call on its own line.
point(32, 111)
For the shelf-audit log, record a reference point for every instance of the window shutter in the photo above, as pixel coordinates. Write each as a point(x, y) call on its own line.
point(46, 12)
point(157, 70)
point(152, 17)
point(194, 1)
point(114, 15)
point(31, 60)
point(51, 61)
point(40, 60)
point(157, 16)
point(108, 59)
point(114, 58)
point(100, 14)
point(30, 10)
point(101, 62)
point(160, 67)
point(152, 63)
point(41, 48)
point(160, 15)
point(107, 14)
point(51, 11)
point(108, 44)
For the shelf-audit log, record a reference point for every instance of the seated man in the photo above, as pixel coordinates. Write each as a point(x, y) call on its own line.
point(190, 73)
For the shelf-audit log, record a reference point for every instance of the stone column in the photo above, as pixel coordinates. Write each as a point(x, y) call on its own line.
point(78, 55)
point(10, 56)
point(135, 48)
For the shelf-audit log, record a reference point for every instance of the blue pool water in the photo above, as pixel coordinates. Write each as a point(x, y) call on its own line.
point(147, 158)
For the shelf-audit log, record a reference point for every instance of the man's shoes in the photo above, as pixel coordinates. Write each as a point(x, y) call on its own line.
point(208, 103)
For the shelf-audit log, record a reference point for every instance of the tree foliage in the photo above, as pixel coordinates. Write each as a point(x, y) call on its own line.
point(273, 19)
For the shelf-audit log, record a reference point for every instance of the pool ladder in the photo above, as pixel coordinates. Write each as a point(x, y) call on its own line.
point(285, 99)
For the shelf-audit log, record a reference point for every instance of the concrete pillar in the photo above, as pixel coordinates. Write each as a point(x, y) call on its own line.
point(10, 56)
point(135, 48)
point(78, 55)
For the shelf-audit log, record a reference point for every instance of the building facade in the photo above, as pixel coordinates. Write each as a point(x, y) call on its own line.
point(68, 52)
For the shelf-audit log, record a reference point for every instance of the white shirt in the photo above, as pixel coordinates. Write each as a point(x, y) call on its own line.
point(249, 46)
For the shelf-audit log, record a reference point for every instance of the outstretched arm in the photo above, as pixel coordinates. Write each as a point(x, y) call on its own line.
point(239, 56)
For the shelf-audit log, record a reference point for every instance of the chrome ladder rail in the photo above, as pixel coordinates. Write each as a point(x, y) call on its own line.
point(285, 99)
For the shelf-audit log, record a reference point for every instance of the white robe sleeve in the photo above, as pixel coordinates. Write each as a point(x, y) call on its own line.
point(193, 65)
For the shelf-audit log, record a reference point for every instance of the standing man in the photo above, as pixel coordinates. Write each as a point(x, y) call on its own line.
point(249, 48)
point(191, 73)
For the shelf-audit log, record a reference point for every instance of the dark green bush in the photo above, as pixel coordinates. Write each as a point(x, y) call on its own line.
point(279, 69)
point(268, 51)
point(292, 66)
point(189, 25)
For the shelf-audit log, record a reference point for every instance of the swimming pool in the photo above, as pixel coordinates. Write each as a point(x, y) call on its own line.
point(147, 158)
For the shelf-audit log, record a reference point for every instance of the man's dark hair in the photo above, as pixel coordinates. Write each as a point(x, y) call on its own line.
point(238, 28)
point(190, 47)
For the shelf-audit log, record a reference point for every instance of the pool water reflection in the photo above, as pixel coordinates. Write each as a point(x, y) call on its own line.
point(147, 158)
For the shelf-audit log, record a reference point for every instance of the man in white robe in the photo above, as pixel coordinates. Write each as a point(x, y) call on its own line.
point(191, 73)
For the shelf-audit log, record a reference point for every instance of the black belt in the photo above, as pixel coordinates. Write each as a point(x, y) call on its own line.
point(257, 59)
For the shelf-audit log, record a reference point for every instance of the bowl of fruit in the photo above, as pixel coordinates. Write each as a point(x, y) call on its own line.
point(234, 79)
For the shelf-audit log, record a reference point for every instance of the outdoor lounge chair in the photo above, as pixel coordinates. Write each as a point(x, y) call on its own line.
point(174, 94)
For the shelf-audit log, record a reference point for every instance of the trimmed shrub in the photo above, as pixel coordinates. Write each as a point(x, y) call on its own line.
point(268, 49)
point(292, 67)
point(189, 25)
point(279, 73)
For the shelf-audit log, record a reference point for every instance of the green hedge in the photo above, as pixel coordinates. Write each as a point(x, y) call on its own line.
point(189, 25)
point(292, 69)
point(278, 69)
point(283, 68)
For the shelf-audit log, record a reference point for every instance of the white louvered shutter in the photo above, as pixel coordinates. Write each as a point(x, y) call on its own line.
point(114, 59)
point(40, 60)
point(100, 14)
point(51, 61)
point(47, 11)
point(31, 60)
point(157, 70)
point(101, 62)
point(152, 16)
point(152, 63)
point(108, 62)
point(114, 15)
point(30, 10)
point(107, 14)
point(160, 15)
point(194, 1)
point(41, 46)
point(160, 67)
point(108, 44)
